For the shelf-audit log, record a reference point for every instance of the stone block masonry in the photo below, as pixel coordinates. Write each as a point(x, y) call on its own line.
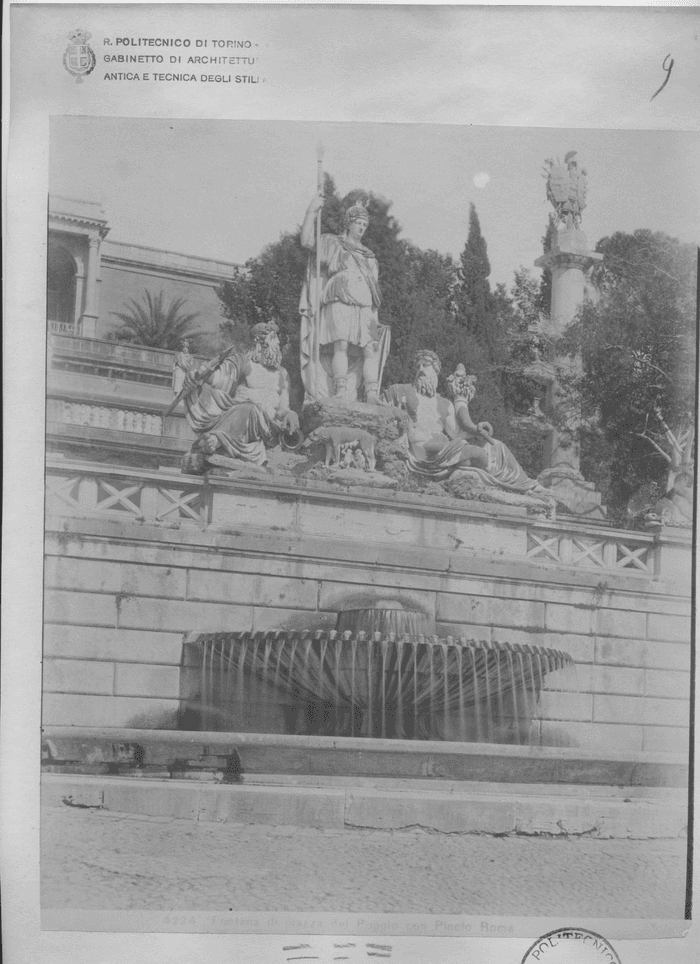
point(128, 576)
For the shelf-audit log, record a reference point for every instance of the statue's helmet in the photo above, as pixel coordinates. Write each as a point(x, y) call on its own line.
point(425, 355)
point(357, 209)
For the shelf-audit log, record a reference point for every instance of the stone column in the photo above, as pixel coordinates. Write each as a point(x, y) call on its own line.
point(88, 320)
point(569, 260)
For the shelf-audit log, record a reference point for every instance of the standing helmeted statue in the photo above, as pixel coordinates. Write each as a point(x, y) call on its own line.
point(566, 188)
point(343, 346)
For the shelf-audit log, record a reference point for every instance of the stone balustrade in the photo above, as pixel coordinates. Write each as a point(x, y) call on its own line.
point(314, 510)
point(62, 328)
point(119, 419)
point(110, 492)
point(632, 554)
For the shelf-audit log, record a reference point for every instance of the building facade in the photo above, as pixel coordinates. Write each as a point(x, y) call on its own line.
point(90, 277)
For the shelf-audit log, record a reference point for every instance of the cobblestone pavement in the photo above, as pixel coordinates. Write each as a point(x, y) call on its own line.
point(100, 860)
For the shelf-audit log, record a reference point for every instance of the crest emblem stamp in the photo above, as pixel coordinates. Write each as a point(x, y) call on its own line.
point(79, 57)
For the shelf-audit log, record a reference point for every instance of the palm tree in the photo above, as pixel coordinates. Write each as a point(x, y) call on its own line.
point(154, 324)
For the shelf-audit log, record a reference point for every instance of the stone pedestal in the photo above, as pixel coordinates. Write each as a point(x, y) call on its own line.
point(349, 421)
point(381, 421)
point(569, 260)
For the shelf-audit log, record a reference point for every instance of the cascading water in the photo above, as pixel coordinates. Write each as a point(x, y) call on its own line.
point(381, 673)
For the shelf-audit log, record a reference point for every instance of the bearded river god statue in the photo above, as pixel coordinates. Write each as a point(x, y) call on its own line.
point(343, 347)
point(442, 442)
point(238, 404)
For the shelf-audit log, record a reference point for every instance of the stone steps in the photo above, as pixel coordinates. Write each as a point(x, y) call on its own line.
point(457, 787)
point(343, 804)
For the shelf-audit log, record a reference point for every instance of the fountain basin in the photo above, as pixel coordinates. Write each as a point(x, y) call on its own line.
point(172, 753)
point(361, 683)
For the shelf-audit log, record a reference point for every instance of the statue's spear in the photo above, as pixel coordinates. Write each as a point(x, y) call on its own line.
point(317, 325)
point(201, 375)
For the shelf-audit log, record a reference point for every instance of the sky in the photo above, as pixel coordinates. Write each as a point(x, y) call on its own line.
point(224, 189)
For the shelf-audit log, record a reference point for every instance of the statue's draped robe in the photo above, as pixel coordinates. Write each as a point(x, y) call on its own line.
point(238, 405)
point(350, 299)
point(503, 471)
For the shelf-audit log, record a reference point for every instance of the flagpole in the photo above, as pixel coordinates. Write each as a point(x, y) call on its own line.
point(317, 321)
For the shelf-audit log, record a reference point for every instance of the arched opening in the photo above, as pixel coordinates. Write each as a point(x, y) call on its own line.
point(61, 290)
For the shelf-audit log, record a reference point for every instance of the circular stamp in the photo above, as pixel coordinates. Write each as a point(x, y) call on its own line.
point(571, 945)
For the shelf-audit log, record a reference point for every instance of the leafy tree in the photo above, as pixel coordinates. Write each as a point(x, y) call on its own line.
point(637, 343)
point(422, 303)
point(524, 344)
point(155, 324)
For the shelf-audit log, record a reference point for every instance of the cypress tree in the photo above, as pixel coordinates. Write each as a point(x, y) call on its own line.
point(475, 301)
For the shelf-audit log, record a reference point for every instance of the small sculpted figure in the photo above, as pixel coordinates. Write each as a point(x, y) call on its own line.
point(238, 404)
point(343, 330)
point(347, 459)
point(441, 436)
point(359, 457)
point(184, 362)
point(676, 507)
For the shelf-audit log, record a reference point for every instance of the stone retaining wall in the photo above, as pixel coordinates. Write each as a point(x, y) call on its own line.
point(136, 561)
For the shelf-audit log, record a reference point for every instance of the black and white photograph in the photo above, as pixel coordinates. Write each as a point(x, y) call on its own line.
point(363, 599)
point(368, 547)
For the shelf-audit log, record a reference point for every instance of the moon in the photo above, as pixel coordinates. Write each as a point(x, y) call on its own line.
point(481, 179)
